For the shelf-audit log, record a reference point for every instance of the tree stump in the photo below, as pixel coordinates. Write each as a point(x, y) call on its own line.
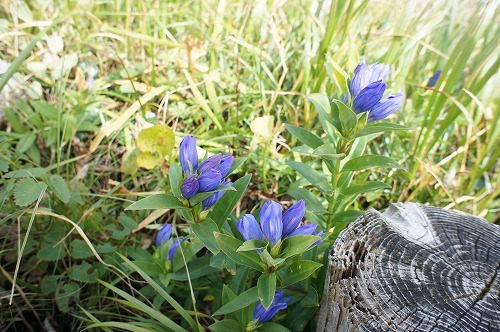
point(413, 268)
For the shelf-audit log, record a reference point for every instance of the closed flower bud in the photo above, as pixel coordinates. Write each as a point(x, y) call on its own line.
point(369, 97)
point(433, 80)
point(292, 217)
point(249, 228)
point(386, 107)
point(173, 248)
point(164, 234)
point(209, 180)
point(214, 198)
point(271, 222)
point(209, 163)
point(188, 155)
point(265, 315)
point(190, 186)
point(225, 165)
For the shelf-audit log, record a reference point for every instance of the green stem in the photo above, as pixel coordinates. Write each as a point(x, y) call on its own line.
point(335, 179)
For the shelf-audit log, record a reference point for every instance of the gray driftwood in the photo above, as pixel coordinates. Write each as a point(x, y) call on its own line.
point(414, 268)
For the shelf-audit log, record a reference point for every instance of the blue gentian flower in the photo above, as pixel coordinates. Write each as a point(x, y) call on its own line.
point(205, 176)
point(190, 186)
point(164, 234)
point(173, 248)
point(274, 226)
point(434, 78)
point(367, 89)
point(279, 303)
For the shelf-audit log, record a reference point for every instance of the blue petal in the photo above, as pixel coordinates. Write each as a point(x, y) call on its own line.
point(214, 198)
point(271, 222)
point(304, 229)
point(386, 107)
point(279, 303)
point(433, 80)
point(164, 234)
point(209, 180)
point(360, 79)
point(292, 217)
point(188, 155)
point(190, 186)
point(225, 164)
point(249, 228)
point(378, 72)
point(369, 97)
point(173, 248)
point(209, 163)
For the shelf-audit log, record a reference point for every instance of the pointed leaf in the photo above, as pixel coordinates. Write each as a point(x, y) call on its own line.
point(229, 245)
point(60, 187)
point(379, 127)
point(298, 271)
point(316, 179)
point(204, 231)
point(266, 286)
point(370, 161)
point(365, 187)
point(160, 201)
point(305, 136)
point(241, 301)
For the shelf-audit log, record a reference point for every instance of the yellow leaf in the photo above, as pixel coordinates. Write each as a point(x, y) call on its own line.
point(147, 160)
point(157, 139)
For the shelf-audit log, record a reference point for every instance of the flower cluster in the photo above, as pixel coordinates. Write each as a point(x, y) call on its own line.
point(367, 89)
point(275, 226)
point(203, 177)
point(264, 315)
point(164, 236)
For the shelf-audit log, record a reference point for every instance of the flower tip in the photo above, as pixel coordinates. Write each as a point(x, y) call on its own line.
point(164, 234)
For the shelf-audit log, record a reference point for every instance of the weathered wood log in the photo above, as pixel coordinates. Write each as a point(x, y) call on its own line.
point(414, 268)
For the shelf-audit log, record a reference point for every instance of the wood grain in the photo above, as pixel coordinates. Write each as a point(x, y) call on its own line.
point(414, 268)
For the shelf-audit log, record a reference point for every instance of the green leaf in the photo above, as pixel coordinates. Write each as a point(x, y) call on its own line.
point(204, 231)
point(370, 161)
point(226, 325)
point(266, 286)
point(273, 327)
point(47, 252)
point(347, 117)
point(298, 271)
point(49, 284)
point(80, 249)
point(174, 175)
point(365, 187)
point(4, 165)
point(158, 139)
point(221, 211)
point(347, 216)
point(229, 245)
point(83, 272)
point(379, 127)
point(241, 301)
point(67, 295)
point(200, 197)
point(237, 162)
point(198, 267)
point(252, 245)
point(160, 201)
point(26, 173)
point(296, 244)
point(316, 179)
point(327, 152)
point(28, 190)
point(105, 248)
point(305, 136)
point(25, 142)
point(323, 106)
point(59, 187)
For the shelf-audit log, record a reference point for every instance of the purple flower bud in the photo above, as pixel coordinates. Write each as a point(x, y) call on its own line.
point(225, 164)
point(369, 97)
point(249, 228)
point(378, 72)
point(433, 80)
point(214, 198)
point(190, 186)
point(304, 230)
point(209, 163)
point(386, 107)
point(292, 217)
point(279, 303)
point(360, 79)
point(164, 234)
point(188, 155)
point(173, 248)
point(271, 222)
point(209, 180)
